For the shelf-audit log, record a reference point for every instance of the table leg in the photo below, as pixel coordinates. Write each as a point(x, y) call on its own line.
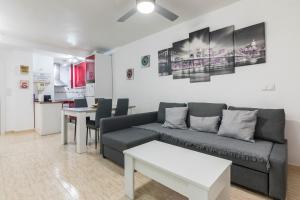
point(225, 194)
point(195, 193)
point(131, 111)
point(64, 128)
point(129, 176)
point(81, 133)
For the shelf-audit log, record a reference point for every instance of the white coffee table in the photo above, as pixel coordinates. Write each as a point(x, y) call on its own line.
point(195, 175)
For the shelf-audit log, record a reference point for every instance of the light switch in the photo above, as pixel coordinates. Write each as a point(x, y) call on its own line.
point(269, 88)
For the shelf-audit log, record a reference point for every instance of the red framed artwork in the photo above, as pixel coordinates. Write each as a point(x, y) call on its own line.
point(24, 84)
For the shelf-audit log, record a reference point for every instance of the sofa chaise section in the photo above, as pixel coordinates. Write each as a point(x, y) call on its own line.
point(116, 142)
point(117, 134)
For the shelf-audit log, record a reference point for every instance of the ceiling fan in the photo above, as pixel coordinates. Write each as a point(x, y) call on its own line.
point(147, 7)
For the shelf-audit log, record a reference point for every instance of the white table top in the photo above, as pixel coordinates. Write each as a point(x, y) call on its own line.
point(201, 169)
point(80, 109)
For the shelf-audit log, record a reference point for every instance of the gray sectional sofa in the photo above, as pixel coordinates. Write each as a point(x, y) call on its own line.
point(259, 166)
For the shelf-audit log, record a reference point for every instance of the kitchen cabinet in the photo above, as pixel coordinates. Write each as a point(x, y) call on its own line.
point(103, 76)
point(90, 69)
point(48, 117)
point(79, 75)
point(95, 72)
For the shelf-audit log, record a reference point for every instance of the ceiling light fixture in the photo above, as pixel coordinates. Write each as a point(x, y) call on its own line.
point(145, 6)
point(72, 39)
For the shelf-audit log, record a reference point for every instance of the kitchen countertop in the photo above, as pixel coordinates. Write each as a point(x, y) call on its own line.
point(54, 102)
point(62, 100)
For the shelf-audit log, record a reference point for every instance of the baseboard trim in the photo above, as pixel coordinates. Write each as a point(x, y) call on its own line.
point(294, 166)
point(21, 131)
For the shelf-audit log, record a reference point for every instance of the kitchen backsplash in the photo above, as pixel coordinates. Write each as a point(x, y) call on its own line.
point(62, 93)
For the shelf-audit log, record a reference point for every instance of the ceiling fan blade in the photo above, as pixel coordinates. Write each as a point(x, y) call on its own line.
point(166, 13)
point(127, 15)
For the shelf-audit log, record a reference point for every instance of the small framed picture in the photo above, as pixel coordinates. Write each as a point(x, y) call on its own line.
point(130, 74)
point(24, 69)
point(145, 61)
point(24, 84)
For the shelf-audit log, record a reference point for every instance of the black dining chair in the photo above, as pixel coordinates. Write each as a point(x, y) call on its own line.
point(97, 100)
point(122, 107)
point(103, 111)
point(78, 103)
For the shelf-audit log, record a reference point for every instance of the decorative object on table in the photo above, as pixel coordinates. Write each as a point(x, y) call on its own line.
point(145, 61)
point(250, 46)
point(24, 69)
point(24, 84)
point(130, 74)
point(199, 55)
point(180, 59)
point(222, 51)
point(164, 62)
point(206, 54)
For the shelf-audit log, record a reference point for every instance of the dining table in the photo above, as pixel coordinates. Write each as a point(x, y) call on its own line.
point(80, 114)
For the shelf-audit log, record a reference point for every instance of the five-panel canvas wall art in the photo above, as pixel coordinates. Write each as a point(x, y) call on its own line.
point(205, 54)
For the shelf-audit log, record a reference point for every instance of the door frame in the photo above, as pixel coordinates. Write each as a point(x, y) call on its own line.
point(2, 96)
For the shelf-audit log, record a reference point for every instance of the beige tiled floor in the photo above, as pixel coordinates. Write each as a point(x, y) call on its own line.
point(34, 167)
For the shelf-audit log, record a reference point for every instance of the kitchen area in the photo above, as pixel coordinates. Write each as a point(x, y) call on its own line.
point(58, 81)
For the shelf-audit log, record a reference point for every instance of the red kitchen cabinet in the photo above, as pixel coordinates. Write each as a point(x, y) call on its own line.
point(79, 75)
point(90, 69)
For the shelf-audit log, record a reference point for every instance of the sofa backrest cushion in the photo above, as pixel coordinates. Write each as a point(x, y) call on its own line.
point(161, 116)
point(270, 124)
point(205, 110)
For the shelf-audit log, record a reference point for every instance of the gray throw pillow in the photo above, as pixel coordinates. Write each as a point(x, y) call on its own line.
point(161, 115)
point(205, 124)
point(176, 118)
point(238, 124)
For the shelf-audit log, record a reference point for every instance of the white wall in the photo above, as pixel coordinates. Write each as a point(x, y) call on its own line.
point(244, 88)
point(2, 92)
point(18, 102)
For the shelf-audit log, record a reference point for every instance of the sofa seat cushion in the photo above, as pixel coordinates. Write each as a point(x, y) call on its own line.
point(251, 155)
point(128, 138)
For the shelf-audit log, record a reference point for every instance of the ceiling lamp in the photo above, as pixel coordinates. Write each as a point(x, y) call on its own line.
point(145, 6)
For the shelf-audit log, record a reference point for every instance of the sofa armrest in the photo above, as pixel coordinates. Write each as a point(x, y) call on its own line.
point(278, 171)
point(122, 122)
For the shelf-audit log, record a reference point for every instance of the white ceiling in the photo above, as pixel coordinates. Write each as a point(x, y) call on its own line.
point(88, 25)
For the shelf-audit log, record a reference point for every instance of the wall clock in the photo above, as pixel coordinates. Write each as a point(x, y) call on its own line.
point(145, 61)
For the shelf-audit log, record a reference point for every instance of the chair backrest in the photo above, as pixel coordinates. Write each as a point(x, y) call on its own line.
point(97, 100)
point(103, 110)
point(122, 107)
point(80, 103)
